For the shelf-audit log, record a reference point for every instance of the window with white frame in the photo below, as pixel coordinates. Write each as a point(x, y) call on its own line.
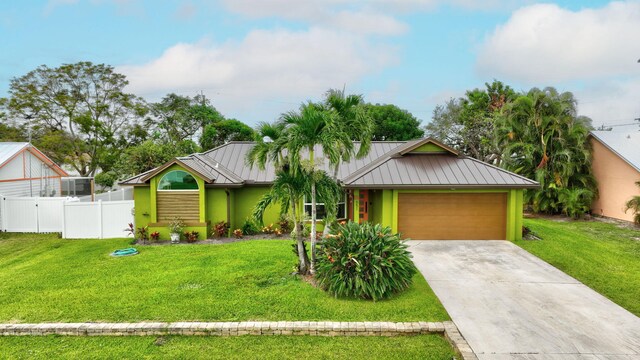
point(321, 212)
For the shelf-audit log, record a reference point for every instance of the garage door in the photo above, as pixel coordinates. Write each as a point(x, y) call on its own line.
point(457, 216)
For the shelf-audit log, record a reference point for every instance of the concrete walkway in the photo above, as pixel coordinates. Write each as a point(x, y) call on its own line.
point(509, 304)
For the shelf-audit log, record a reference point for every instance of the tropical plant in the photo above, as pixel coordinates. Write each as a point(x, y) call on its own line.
point(250, 227)
point(191, 236)
point(143, 234)
point(575, 202)
point(288, 190)
point(364, 261)
point(237, 233)
point(544, 139)
point(155, 236)
point(634, 205)
point(285, 224)
point(176, 225)
point(269, 229)
point(220, 229)
point(357, 123)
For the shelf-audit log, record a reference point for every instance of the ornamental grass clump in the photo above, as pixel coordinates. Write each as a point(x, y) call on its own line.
point(364, 261)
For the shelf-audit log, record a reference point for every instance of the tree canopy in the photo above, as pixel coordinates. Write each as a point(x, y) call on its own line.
point(537, 134)
point(393, 123)
point(84, 103)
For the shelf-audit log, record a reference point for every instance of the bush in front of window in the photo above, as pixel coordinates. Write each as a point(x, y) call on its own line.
point(364, 261)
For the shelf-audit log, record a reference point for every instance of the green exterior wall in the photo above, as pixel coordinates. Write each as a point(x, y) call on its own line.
point(375, 207)
point(429, 148)
point(246, 199)
point(142, 206)
point(216, 205)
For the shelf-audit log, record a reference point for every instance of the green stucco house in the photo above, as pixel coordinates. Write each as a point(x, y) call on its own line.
point(421, 188)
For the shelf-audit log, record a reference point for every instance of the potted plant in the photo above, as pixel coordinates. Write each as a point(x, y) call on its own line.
point(175, 229)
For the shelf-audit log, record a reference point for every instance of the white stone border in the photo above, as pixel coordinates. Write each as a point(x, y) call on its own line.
point(316, 328)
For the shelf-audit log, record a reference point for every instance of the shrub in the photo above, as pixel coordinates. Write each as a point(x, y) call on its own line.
point(176, 225)
point(285, 224)
point(268, 229)
point(250, 228)
point(364, 261)
point(143, 234)
point(237, 233)
point(220, 229)
point(155, 236)
point(191, 236)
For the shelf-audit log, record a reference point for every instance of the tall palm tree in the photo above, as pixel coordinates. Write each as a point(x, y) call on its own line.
point(314, 126)
point(270, 142)
point(634, 205)
point(543, 138)
point(356, 122)
point(289, 189)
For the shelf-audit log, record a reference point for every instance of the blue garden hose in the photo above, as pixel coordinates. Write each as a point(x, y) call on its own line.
point(125, 252)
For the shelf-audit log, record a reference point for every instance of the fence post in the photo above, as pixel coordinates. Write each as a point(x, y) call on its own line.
point(100, 218)
point(2, 212)
point(64, 222)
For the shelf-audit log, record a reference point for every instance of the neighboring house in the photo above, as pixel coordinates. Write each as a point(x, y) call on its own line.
point(26, 171)
point(616, 167)
point(421, 188)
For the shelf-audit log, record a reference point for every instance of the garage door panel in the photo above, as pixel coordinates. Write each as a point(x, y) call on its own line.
point(452, 216)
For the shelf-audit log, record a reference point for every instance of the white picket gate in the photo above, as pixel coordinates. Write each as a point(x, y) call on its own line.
point(74, 219)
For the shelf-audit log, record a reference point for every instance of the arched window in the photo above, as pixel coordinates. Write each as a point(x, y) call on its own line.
point(177, 180)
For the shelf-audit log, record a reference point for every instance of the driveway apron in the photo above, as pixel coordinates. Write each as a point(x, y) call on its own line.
point(509, 304)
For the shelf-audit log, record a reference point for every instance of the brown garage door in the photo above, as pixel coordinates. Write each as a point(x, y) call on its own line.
point(458, 216)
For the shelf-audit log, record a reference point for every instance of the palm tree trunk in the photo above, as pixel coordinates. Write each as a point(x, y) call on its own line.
point(303, 259)
point(313, 226)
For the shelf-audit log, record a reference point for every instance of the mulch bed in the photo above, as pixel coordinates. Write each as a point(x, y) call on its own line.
point(217, 241)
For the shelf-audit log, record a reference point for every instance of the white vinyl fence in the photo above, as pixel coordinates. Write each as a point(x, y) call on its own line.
point(74, 219)
point(122, 194)
point(96, 220)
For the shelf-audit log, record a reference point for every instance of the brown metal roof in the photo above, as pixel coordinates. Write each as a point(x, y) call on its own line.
point(388, 164)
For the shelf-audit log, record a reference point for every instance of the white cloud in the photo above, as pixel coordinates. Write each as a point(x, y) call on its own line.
point(338, 14)
point(546, 43)
point(611, 102)
point(265, 65)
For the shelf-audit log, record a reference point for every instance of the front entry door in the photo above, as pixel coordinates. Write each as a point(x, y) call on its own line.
point(363, 213)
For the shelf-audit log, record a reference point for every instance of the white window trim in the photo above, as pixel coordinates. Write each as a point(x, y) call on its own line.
point(344, 203)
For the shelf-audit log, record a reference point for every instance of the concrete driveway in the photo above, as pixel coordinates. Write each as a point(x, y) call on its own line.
point(509, 304)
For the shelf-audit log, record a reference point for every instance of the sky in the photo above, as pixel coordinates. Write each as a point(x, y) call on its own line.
point(256, 59)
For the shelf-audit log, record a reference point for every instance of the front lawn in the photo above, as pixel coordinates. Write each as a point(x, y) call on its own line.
point(603, 256)
point(45, 279)
point(243, 347)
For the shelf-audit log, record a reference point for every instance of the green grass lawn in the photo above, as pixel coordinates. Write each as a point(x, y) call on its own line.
point(600, 255)
point(243, 347)
point(45, 279)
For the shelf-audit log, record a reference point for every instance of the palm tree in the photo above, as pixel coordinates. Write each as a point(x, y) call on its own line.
point(270, 142)
point(288, 189)
point(543, 138)
point(356, 122)
point(634, 205)
point(314, 126)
